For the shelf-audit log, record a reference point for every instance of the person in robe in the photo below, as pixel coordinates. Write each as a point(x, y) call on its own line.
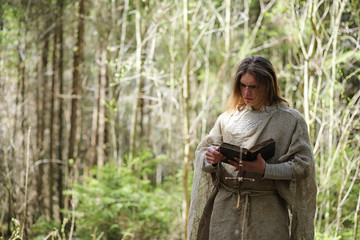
point(264, 199)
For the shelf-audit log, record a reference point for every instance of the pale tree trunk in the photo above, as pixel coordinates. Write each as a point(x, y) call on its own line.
point(204, 96)
point(98, 137)
point(307, 54)
point(123, 33)
point(111, 94)
point(335, 20)
point(102, 100)
point(119, 67)
point(331, 159)
point(186, 116)
point(52, 130)
point(94, 125)
point(225, 74)
point(139, 83)
point(171, 147)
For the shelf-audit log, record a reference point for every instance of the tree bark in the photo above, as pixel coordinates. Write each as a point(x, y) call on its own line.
point(76, 85)
point(60, 141)
point(52, 129)
point(41, 125)
point(139, 84)
point(186, 116)
point(102, 100)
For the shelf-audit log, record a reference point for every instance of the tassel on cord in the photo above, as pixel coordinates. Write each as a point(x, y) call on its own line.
point(245, 217)
point(238, 201)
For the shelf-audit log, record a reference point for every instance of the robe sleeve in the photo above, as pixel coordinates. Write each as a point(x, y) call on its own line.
point(300, 193)
point(213, 138)
point(280, 171)
point(202, 182)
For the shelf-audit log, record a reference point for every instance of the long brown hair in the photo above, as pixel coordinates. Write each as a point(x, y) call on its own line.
point(264, 73)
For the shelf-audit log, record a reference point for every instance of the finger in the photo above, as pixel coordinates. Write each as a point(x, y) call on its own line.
point(209, 158)
point(215, 152)
point(238, 161)
point(213, 159)
point(234, 164)
point(212, 156)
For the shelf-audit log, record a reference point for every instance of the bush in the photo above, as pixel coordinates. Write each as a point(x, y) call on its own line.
point(120, 204)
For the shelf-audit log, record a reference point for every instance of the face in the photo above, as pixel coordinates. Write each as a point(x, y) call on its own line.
point(250, 92)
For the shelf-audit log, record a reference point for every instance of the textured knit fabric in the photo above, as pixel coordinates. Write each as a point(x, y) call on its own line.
point(261, 209)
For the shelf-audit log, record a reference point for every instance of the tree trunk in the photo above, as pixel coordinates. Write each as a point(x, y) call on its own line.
point(102, 100)
point(52, 130)
point(94, 125)
point(119, 68)
point(186, 117)
point(60, 141)
point(1, 43)
point(41, 126)
point(225, 74)
point(139, 83)
point(22, 118)
point(76, 85)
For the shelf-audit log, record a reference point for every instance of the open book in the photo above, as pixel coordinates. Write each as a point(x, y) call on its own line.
point(266, 149)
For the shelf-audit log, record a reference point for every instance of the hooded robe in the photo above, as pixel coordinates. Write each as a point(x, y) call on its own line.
point(273, 205)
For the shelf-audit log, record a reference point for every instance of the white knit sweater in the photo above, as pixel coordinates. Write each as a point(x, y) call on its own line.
point(246, 120)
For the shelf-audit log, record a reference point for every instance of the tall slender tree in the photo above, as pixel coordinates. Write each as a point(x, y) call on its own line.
point(52, 127)
point(76, 84)
point(139, 83)
point(60, 130)
point(186, 114)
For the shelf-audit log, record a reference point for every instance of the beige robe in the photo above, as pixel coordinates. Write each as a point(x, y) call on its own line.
point(266, 203)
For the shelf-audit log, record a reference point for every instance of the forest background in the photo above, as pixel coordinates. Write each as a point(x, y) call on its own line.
point(104, 101)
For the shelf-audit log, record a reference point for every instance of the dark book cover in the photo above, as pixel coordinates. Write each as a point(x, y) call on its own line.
point(266, 149)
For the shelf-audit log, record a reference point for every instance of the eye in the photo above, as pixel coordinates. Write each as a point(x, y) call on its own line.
point(251, 87)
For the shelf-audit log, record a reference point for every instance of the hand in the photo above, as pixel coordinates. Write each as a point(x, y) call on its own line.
point(257, 166)
point(237, 164)
point(213, 156)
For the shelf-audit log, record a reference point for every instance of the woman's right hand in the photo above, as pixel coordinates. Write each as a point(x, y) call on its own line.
point(213, 156)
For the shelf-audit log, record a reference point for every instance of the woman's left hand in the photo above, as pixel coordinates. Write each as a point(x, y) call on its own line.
point(257, 166)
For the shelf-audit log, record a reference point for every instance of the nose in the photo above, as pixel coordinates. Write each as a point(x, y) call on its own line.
point(247, 90)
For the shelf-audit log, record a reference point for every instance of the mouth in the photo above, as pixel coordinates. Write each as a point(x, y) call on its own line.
point(247, 98)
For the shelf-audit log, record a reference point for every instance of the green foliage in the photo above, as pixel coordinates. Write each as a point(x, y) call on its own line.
point(342, 184)
point(321, 236)
point(121, 205)
point(16, 232)
point(44, 226)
